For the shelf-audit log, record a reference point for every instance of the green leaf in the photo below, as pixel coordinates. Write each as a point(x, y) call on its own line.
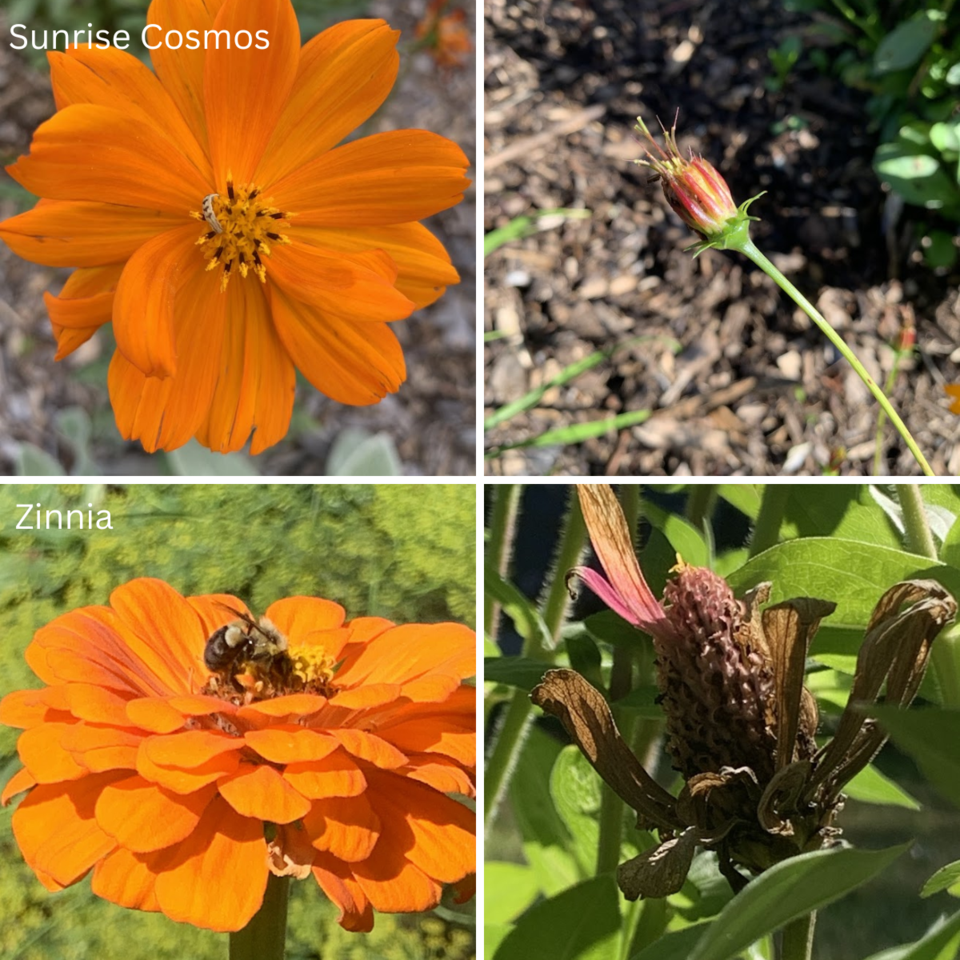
point(522, 611)
point(357, 453)
point(939, 250)
point(508, 889)
point(904, 46)
point(584, 655)
point(682, 535)
point(946, 878)
point(611, 628)
point(575, 789)
point(946, 136)
point(34, 462)
point(787, 891)
point(582, 923)
point(744, 496)
point(932, 737)
point(941, 942)
point(915, 175)
point(519, 672)
point(196, 461)
point(643, 701)
point(871, 786)
point(577, 432)
point(493, 935)
point(676, 945)
point(521, 227)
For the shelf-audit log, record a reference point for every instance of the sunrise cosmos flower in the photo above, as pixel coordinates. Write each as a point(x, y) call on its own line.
point(215, 222)
point(182, 789)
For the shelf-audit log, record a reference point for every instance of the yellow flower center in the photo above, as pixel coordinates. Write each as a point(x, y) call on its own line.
point(242, 227)
point(314, 668)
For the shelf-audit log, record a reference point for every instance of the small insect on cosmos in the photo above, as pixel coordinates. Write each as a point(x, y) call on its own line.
point(208, 213)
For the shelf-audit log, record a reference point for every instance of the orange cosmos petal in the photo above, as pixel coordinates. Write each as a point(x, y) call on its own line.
point(143, 817)
point(259, 791)
point(216, 877)
point(114, 78)
point(290, 744)
point(393, 884)
point(44, 757)
point(351, 363)
point(56, 830)
point(346, 827)
point(143, 308)
point(245, 90)
point(423, 265)
point(345, 74)
point(297, 616)
point(435, 833)
point(124, 879)
point(256, 378)
point(181, 70)
point(20, 781)
point(350, 286)
point(87, 152)
point(67, 233)
point(336, 880)
point(386, 178)
point(75, 316)
point(334, 776)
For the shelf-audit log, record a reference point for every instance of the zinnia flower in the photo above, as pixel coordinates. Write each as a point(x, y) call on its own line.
point(214, 220)
point(695, 190)
point(740, 723)
point(182, 787)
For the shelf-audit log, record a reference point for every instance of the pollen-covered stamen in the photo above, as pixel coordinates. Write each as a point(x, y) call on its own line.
point(240, 230)
point(313, 668)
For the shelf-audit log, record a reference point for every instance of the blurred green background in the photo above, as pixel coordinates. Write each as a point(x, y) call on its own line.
point(402, 551)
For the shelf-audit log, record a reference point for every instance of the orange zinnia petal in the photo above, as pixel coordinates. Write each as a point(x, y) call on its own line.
point(351, 286)
point(346, 827)
point(143, 817)
point(115, 78)
point(345, 74)
point(336, 880)
point(367, 696)
point(393, 884)
point(143, 308)
point(424, 268)
point(67, 233)
point(125, 879)
point(256, 379)
point(99, 749)
point(186, 781)
point(336, 775)
point(41, 753)
point(216, 877)
point(88, 152)
point(89, 701)
point(67, 852)
point(386, 178)
point(296, 616)
point(190, 749)
point(259, 791)
point(290, 744)
point(245, 90)
point(441, 774)
point(351, 363)
point(371, 748)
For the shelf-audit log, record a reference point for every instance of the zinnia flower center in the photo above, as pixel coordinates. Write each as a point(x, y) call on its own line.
point(242, 227)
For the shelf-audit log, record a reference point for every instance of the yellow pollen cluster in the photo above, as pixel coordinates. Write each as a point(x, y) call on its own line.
point(243, 226)
point(314, 667)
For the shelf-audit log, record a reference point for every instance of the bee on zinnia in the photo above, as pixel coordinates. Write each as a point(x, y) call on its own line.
point(184, 751)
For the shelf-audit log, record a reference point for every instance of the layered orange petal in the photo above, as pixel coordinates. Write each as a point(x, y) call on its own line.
point(245, 90)
point(87, 152)
point(125, 879)
point(393, 884)
point(22, 780)
point(336, 775)
point(423, 265)
point(68, 233)
point(255, 381)
point(351, 363)
point(143, 307)
point(216, 877)
point(336, 880)
point(383, 179)
point(367, 746)
point(345, 74)
point(346, 827)
point(143, 817)
point(99, 749)
point(298, 616)
point(355, 286)
point(290, 744)
point(115, 78)
point(41, 753)
point(259, 791)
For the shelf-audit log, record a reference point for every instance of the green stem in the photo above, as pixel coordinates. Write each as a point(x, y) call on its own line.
point(701, 498)
point(797, 942)
point(503, 519)
point(509, 741)
point(766, 531)
point(749, 249)
point(898, 357)
point(945, 653)
point(263, 938)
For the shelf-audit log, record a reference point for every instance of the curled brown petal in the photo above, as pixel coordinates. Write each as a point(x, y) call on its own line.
point(585, 715)
point(659, 871)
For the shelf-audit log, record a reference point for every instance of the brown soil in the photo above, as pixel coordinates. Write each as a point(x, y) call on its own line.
point(432, 420)
point(754, 388)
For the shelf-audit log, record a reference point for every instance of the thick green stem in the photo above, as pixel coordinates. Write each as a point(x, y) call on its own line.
point(701, 498)
point(766, 531)
point(749, 249)
point(264, 937)
point(945, 653)
point(509, 741)
point(503, 518)
point(797, 942)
